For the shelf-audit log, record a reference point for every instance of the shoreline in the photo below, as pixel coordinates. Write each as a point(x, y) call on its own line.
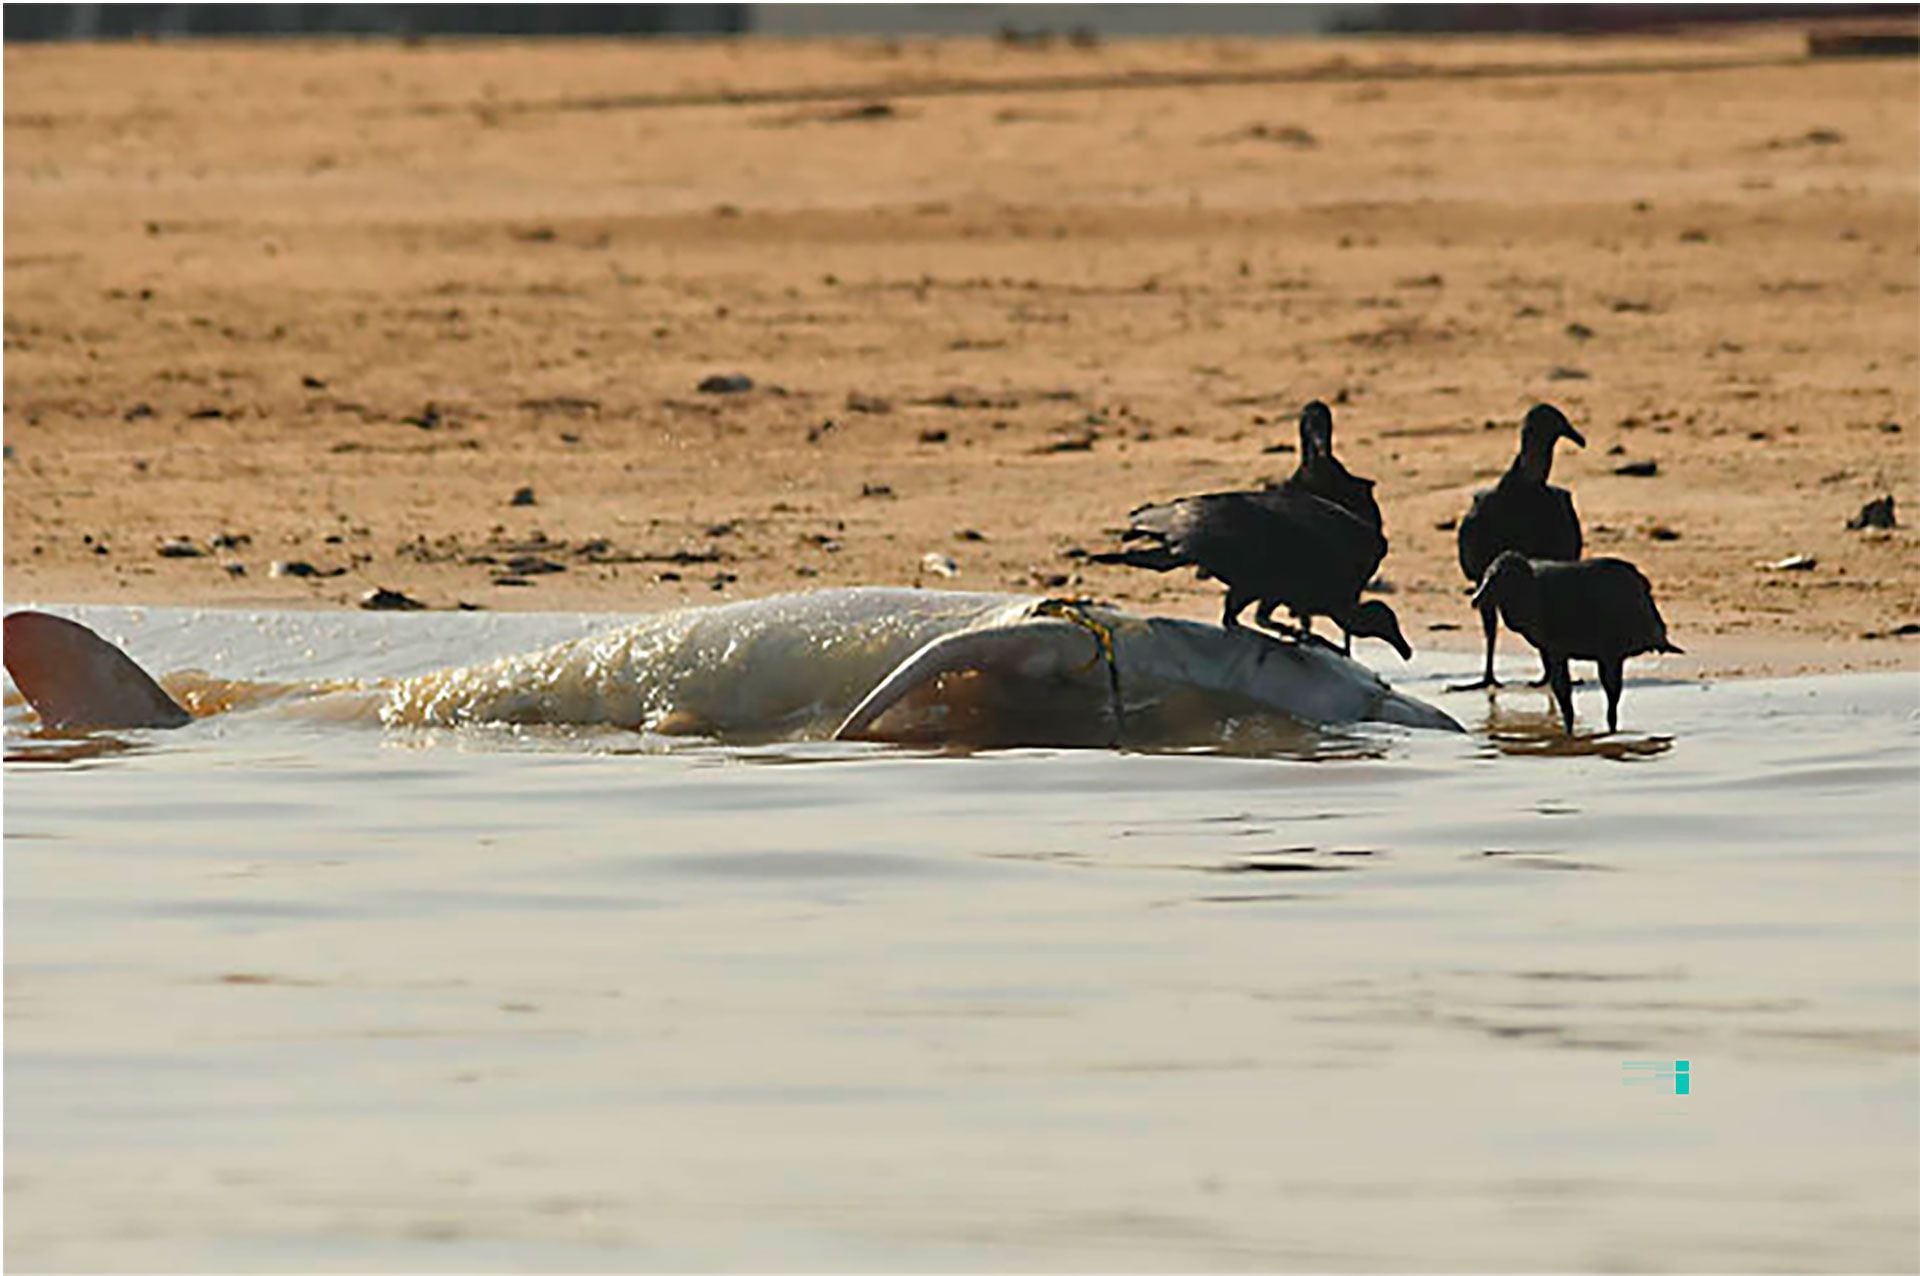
point(1740, 656)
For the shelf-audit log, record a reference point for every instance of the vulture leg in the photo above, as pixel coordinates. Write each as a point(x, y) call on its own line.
point(1490, 621)
point(1562, 684)
point(1610, 679)
point(1237, 602)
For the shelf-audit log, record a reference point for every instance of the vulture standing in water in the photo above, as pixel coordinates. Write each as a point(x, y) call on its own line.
point(1598, 609)
point(1276, 547)
point(1321, 474)
point(1522, 512)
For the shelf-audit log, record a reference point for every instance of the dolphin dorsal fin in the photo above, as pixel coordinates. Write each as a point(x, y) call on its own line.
point(75, 678)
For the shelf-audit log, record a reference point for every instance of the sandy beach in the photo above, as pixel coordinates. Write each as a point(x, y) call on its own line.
point(435, 318)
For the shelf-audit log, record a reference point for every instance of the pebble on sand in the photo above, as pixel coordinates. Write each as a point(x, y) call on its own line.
point(299, 567)
point(389, 600)
point(1875, 513)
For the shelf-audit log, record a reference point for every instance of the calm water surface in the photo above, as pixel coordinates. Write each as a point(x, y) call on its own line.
point(290, 995)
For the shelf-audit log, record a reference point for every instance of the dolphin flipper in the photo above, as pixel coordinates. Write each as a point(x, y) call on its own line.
point(1036, 648)
point(75, 678)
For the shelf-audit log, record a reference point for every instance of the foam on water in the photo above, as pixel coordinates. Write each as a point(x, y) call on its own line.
point(289, 994)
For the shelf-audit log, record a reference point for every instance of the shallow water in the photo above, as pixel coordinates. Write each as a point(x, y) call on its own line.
point(287, 994)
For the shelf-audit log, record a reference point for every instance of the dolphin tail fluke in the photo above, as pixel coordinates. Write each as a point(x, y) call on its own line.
point(75, 678)
point(1031, 648)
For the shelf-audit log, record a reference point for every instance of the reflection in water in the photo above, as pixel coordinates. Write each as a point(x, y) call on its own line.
point(56, 745)
point(1538, 734)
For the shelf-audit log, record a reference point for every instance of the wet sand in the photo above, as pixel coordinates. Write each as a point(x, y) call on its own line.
point(336, 304)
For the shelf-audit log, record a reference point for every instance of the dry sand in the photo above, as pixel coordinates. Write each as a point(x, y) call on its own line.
point(336, 303)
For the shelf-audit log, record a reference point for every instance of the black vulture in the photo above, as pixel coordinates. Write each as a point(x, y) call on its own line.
point(1320, 472)
point(1522, 512)
point(1598, 609)
point(1279, 548)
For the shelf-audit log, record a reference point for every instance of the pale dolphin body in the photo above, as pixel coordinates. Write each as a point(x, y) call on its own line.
point(871, 663)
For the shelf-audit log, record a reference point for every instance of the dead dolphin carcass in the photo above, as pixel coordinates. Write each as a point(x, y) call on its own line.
point(870, 663)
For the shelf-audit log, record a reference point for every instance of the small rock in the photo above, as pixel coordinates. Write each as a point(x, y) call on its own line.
point(206, 414)
point(389, 600)
point(806, 571)
point(181, 549)
point(1564, 373)
point(428, 418)
point(232, 569)
point(969, 534)
point(1889, 427)
point(876, 489)
point(872, 404)
point(311, 382)
point(1442, 626)
point(721, 580)
point(1792, 563)
point(532, 565)
point(1446, 525)
point(938, 564)
point(521, 496)
point(293, 567)
point(137, 412)
point(1579, 331)
point(725, 383)
point(1661, 532)
point(229, 540)
point(1638, 469)
point(1898, 631)
point(933, 436)
point(1285, 134)
point(1875, 513)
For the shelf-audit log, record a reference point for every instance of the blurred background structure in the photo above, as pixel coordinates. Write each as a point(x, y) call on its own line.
point(141, 21)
